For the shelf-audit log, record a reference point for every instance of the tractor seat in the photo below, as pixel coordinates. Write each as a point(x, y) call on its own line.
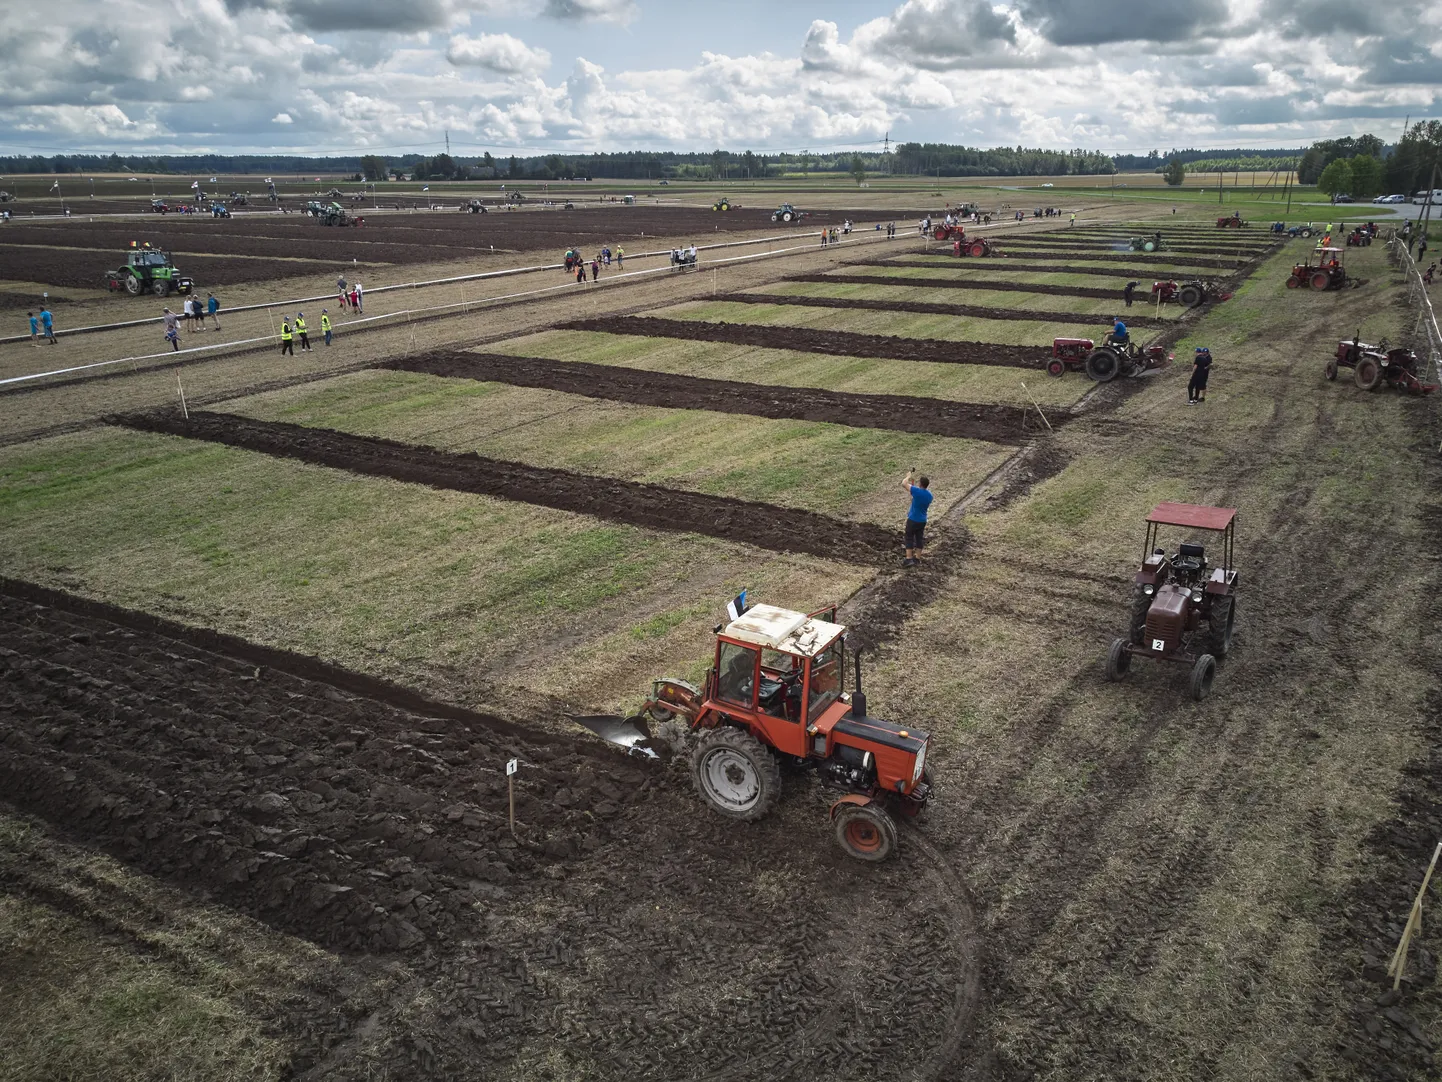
point(771, 690)
point(1190, 548)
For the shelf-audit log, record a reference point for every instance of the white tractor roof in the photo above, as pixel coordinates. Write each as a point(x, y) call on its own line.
point(784, 630)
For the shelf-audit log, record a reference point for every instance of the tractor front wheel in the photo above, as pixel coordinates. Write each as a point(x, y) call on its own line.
point(1119, 660)
point(1219, 626)
point(160, 287)
point(1103, 365)
point(1199, 686)
point(1055, 367)
point(1141, 605)
point(133, 286)
point(735, 773)
point(1190, 296)
point(1293, 282)
point(1368, 374)
point(866, 832)
point(1331, 369)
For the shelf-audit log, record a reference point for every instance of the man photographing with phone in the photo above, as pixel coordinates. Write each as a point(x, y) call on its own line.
point(921, 497)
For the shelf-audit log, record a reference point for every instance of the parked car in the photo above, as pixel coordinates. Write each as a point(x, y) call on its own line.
point(1390, 199)
point(1342, 199)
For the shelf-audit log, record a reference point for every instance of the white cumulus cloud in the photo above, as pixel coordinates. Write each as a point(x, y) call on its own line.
point(500, 53)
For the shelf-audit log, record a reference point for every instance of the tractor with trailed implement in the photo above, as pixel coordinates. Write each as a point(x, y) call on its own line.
point(1187, 294)
point(148, 270)
point(775, 694)
point(1106, 362)
point(962, 245)
point(1232, 221)
point(788, 214)
point(1148, 244)
point(1183, 604)
point(1322, 270)
point(1373, 366)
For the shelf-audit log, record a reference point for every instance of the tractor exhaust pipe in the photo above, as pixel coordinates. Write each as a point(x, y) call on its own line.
point(858, 697)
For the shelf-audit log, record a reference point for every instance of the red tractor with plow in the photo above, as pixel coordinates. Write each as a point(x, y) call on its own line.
point(1187, 294)
point(960, 245)
point(1233, 221)
point(775, 694)
point(1106, 363)
point(1325, 273)
point(1173, 596)
point(1374, 365)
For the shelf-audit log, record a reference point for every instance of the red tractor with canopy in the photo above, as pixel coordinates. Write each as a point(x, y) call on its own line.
point(1174, 595)
point(1323, 272)
point(775, 693)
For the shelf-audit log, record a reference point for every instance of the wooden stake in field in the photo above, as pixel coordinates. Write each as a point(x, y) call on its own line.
point(1037, 404)
point(511, 767)
point(184, 409)
point(1414, 925)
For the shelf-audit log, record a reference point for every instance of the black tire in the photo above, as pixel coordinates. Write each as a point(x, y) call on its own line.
point(1056, 367)
point(160, 287)
point(1118, 660)
point(866, 832)
point(1190, 296)
point(1368, 374)
point(1331, 370)
point(1305, 233)
point(1199, 685)
point(1141, 605)
point(1219, 626)
point(133, 286)
point(735, 773)
point(1103, 365)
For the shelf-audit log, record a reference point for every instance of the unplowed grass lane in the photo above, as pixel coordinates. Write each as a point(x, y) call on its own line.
point(1164, 880)
point(785, 368)
point(1085, 308)
point(845, 472)
point(434, 589)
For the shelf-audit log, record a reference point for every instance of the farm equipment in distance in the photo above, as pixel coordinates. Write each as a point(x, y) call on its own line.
point(1172, 596)
point(329, 213)
point(1187, 294)
point(1304, 230)
point(1326, 273)
point(475, 206)
point(1105, 363)
point(1148, 244)
point(1374, 365)
point(774, 694)
point(787, 213)
point(976, 246)
point(725, 204)
point(148, 270)
point(515, 197)
point(219, 210)
point(1232, 222)
point(1361, 237)
point(238, 200)
point(160, 206)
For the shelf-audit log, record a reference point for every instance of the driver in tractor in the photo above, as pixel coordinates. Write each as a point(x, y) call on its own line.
point(1119, 336)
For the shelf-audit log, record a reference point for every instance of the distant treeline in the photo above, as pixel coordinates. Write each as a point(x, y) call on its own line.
point(1156, 161)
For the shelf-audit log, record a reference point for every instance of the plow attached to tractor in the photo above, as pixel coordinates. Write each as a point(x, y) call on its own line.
point(1105, 363)
point(775, 693)
point(1374, 365)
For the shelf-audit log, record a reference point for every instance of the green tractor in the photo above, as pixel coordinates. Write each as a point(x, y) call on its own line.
point(328, 213)
point(149, 270)
point(1148, 244)
point(723, 204)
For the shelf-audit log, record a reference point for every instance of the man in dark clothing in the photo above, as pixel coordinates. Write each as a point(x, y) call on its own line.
point(1130, 291)
point(915, 536)
point(1201, 368)
point(1421, 253)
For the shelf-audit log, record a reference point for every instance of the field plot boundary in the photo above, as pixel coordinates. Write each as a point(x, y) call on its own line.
point(631, 503)
point(1006, 265)
point(1096, 292)
point(301, 666)
point(805, 340)
point(897, 413)
point(978, 311)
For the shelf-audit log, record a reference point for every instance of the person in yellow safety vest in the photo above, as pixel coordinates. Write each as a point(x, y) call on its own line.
point(286, 345)
point(325, 325)
point(300, 330)
point(620, 256)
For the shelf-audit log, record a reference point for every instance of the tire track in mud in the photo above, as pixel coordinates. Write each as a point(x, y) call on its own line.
point(896, 413)
point(922, 307)
point(632, 503)
point(832, 343)
point(957, 283)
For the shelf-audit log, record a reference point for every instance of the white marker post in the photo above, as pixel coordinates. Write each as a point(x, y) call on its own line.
point(511, 767)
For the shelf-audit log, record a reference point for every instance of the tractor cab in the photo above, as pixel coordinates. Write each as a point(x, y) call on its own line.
point(1321, 270)
point(147, 257)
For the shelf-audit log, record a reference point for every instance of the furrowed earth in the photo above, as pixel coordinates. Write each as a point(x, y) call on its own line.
point(268, 650)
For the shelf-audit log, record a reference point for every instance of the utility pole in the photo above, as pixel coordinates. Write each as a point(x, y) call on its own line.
point(448, 144)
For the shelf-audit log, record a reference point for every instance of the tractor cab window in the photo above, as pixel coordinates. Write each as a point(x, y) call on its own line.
point(780, 684)
point(825, 680)
point(736, 674)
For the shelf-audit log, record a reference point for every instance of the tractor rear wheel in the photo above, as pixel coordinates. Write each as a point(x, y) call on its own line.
point(1368, 374)
point(1103, 365)
point(1190, 296)
point(735, 773)
point(977, 248)
point(160, 287)
point(1199, 686)
point(1321, 280)
point(1055, 367)
point(1293, 282)
point(786, 217)
point(1219, 626)
point(1305, 233)
point(1118, 660)
point(866, 832)
point(132, 285)
point(940, 233)
point(1331, 369)
point(1149, 246)
point(1141, 605)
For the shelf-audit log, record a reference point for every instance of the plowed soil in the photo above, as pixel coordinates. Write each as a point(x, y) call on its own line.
point(801, 340)
point(87, 269)
point(1008, 265)
point(953, 282)
point(898, 413)
point(768, 526)
point(722, 952)
point(1029, 315)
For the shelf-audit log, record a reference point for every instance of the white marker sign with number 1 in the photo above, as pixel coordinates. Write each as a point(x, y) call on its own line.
point(511, 766)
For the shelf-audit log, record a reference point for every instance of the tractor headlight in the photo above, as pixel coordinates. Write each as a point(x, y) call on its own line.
point(1149, 590)
point(1196, 595)
point(920, 765)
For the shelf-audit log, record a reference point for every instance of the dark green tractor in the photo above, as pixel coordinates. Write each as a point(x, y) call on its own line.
point(149, 270)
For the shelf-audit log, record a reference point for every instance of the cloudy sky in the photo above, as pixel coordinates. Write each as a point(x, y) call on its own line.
point(528, 76)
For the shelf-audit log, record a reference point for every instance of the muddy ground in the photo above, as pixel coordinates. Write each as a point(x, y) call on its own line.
point(926, 308)
point(838, 343)
point(782, 529)
point(897, 413)
point(953, 282)
point(720, 953)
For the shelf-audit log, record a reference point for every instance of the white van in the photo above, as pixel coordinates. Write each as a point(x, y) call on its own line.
point(1423, 196)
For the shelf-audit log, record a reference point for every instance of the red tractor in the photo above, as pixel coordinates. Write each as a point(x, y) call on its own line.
point(775, 693)
point(1326, 273)
point(960, 245)
point(1069, 355)
point(1187, 294)
point(1113, 359)
point(1234, 221)
point(1373, 365)
point(1173, 596)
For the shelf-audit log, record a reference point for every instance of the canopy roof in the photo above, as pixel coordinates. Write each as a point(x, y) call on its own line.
point(1194, 516)
point(784, 630)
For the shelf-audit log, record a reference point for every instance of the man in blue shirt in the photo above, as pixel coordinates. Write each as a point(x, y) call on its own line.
point(1119, 332)
point(47, 322)
point(915, 538)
